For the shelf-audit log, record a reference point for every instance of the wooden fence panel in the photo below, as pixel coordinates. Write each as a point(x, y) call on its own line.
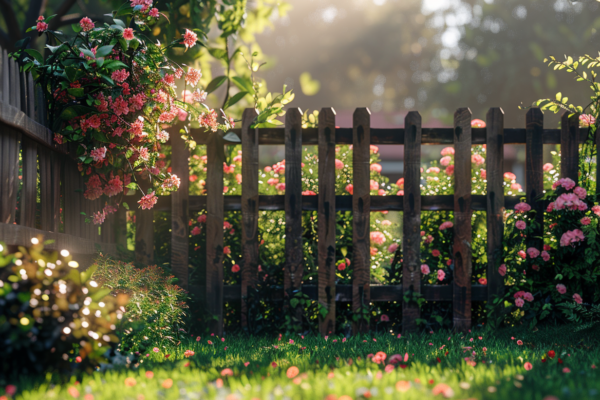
point(214, 231)
point(462, 220)
point(535, 173)
point(15, 89)
point(180, 213)
point(326, 220)
point(495, 200)
point(361, 215)
point(294, 263)
point(29, 151)
point(411, 216)
point(249, 200)
point(144, 229)
point(569, 147)
point(9, 170)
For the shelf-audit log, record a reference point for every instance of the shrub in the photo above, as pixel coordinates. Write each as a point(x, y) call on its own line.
point(156, 309)
point(52, 316)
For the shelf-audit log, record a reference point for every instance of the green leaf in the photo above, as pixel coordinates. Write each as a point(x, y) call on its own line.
point(294, 302)
point(50, 18)
point(74, 111)
point(77, 92)
point(309, 86)
point(100, 136)
point(99, 62)
point(231, 137)
point(125, 205)
point(120, 23)
point(104, 51)
point(54, 49)
point(134, 43)
point(36, 55)
point(132, 185)
point(234, 99)
point(215, 83)
point(76, 28)
point(243, 83)
point(87, 53)
point(220, 54)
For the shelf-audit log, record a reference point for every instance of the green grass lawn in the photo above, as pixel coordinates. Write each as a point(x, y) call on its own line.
point(497, 367)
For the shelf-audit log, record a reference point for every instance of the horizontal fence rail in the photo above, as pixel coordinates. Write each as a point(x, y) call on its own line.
point(361, 292)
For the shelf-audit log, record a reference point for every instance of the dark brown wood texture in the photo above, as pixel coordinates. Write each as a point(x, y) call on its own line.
point(569, 146)
point(361, 215)
point(29, 191)
point(534, 170)
point(411, 217)
point(494, 167)
point(326, 219)
point(462, 220)
point(144, 229)
point(9, 169)
point(180, 213)
point(294, 263)
point(249, 203)
point(214, 231)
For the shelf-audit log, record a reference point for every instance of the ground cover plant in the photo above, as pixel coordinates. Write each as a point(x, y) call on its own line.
point(551, 363)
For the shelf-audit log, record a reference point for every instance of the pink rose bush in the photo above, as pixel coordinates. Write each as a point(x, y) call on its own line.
point(114, 103)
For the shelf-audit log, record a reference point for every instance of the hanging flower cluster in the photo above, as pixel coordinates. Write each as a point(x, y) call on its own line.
point(114, 94)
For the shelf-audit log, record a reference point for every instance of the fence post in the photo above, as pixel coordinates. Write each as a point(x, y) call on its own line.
point(361, 216)
point(462, 220)
point(9, 168)
point(180, 214)
point(249, 209)
point(144, 230)
point(326, 219)
point(534, 171)
point(30, 176)
point(569, 146)
point(411, 216)
point(294, 263)
point(495, 200)
point(214, 231)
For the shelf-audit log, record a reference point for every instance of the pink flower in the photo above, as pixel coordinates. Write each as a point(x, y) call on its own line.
point(114, 187)
point(571, 237)
point(196, 231)
point(128, 33)
point(548, 167)
point(395, 359)
point(202, 218)
point(566, 183)
point(428, 239)
point(447, 151)
point(189, 39)
point(596, 210)
point(580, 192)
point(510, 176)
point(441, 274)
point(226, 250)
point(446, 225)
point(86, 24)
point(482, 281)
point(521, 225)
point(433, 170)
point(435, 253)
point(515, 186)
point(393, 247)
point(569, 201)
point(153, 13)
point(384, 318)
point(350, 188)
point(341, 267)
point(586, 120)
point(445, 161)
point(41, 26)
point(577, 298)
point(522, 207)
point(562, 289)
point(339, 164)
point(477, 159)
point(148, 201)
point(425, 269)
point(522, 254)
point(400, 193)
point(378, 238)
point(193, 76)
point(528, 366)
point(519, 302)
point(280, 187)
point(532, 252)
point(156, 349)
point(502, 269)
point(566, 370)
point(477, 123)
point(450, 170)
point(376, 167)
point(545, 255)
point(400, 183)
point(520, 342)
point(373, 251)
point(373, 185)
point(98, 154)
point(528, 297)
point(120, 75)
point(235, 268)
point(585, 221)
point(386, 222)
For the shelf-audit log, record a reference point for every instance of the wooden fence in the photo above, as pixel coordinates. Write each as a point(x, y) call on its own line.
point(461, 293)
point(49, 183)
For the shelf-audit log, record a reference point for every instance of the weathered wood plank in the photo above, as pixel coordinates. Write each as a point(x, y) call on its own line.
point(72, 199)
point(294, 263)
point(462, 220)
point(411, 244)
point(494, 166)
point(326, 219)
point(361, 215)
point(214, 231)
point(569, 147)
point(15, 84)
point(180, 213)
point(144, 229)
point(534, 172)
point(9, 170)
point(249, 204)
point(30, 96)
point(29, 191)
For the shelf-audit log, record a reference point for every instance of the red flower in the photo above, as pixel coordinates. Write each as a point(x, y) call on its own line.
point(551, 353)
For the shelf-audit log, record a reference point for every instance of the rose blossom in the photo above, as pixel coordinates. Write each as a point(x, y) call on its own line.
point(447, 151)
point(128, 33)
point(545, 255)
point(510, 176)
point(435, 253)
point(148, 201)
point(585, 221)
point(441, 275)
point(528, 296)
point(86, 24)
point(521, 225)
point(445, 161)
point(577, 298)
point(477, 159)
point(446, 225)
point(449, 170)
point(339, 164)
point(378, 238)
point(433, 170)
point(522, 254)
point(522, 207)
point(571, 237)
point(548, 167)
point(532, 252)
point(376, 167)
point(393, 247)
point(566, 183)
point(350, 188)
point(425, 269)
point(519, 302)
point(189, 39)
point(562, 289)
point(580, 192)
point(502, 269)
point(596, 210)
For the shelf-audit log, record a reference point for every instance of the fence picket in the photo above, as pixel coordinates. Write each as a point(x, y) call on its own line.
point(294, 265)
point(72, 210)
point(495, 200)
point(214, 231)
point(9, 169)
point(15, 89)
point(411, 216)
point(535, 174)
point(249, 209)
point(5, 78)
point(569, 146)
point(462, 220)
point(144, 229)
point(30, 96)
point(361, 215)
point(30, 173)
point(326, 219)
point(180, 213)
